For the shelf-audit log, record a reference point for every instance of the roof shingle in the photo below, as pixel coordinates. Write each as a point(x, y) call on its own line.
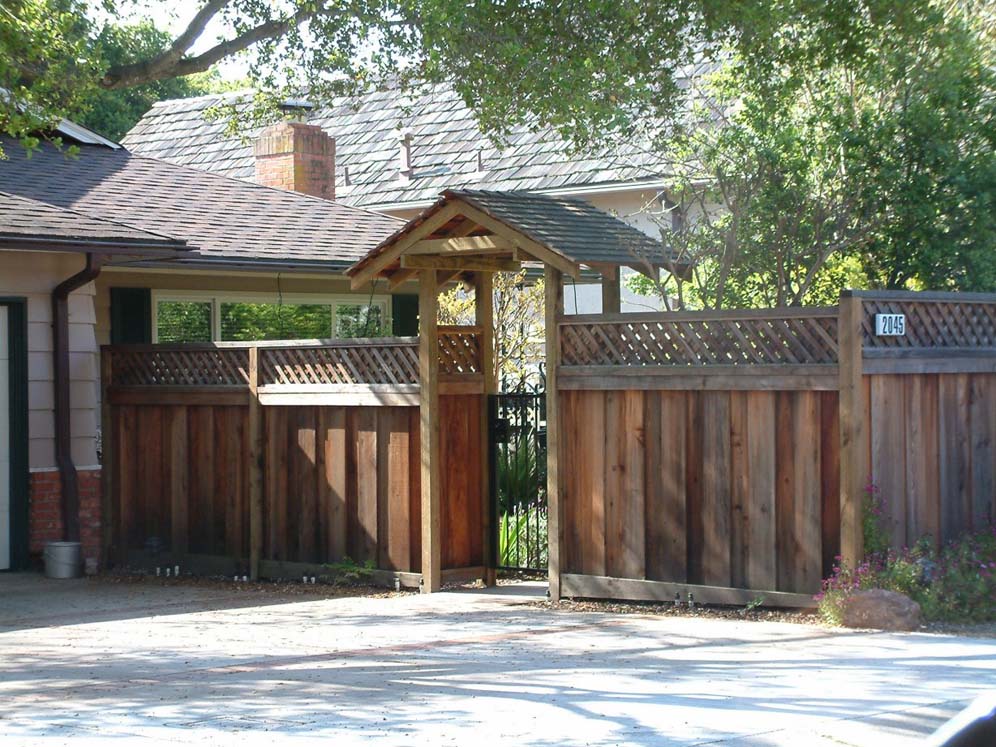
point(227, 219)
point(24, 219)
point(447, 146)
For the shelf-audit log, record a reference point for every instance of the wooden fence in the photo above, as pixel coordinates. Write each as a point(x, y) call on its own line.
point(722, 454)
point(279, 458)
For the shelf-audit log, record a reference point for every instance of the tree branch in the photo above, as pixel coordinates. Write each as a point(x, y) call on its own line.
point(173, 64)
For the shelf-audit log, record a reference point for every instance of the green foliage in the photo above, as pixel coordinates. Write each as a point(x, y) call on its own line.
point(873, 522)
point(955, 584)
point(183, 321)
point(347, 572)
point(517, 315)
point(517, 533)
point(519, 476)
point(113, 112)
point(800, 175)
point(607, 65)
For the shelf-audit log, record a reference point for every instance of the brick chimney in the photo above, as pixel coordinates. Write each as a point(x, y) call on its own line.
point(296, 156)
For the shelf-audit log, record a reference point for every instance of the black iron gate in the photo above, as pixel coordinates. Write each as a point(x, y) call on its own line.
point(517, 423)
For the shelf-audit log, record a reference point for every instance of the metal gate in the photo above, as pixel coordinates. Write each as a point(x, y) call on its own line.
point(517, 424)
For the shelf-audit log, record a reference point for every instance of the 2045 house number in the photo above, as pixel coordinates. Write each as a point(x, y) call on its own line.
point(890, 325)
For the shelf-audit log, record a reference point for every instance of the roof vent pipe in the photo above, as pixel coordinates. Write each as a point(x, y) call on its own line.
point(405, 155)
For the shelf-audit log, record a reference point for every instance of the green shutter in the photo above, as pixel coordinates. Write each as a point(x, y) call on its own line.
point(17, 328)
point(404, 315)
point(131, 316)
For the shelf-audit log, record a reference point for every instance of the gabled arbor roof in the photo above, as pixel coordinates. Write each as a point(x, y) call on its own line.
point(477, 230)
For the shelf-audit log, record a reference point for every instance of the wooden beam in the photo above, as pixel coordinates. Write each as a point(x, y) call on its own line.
point(605, 587)
point(535, 249)
point(853, 439)
point(446, 276)
point(459, 264)
point(398, 277)
point(465, 245)
point(484, 318)
point(554, 290)
point(377, 264)
point(611, 290)
point(256, 451)
point(428, 369)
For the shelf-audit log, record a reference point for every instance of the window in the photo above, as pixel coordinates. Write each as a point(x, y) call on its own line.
point(192, 317)
point(273, 321)
point(183, 321)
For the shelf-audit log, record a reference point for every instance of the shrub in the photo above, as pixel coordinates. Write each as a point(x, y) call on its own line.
point(957, 583)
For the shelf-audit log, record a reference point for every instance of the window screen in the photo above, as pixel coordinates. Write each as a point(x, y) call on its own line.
point(357, 320)
point(183, 321)
point(271, 321)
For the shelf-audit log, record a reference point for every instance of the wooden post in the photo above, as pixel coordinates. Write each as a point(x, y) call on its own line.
point(611, 290)
point(108, 448)
point(554, 288)
point(428, 371)
point(853, 447)
point(256, 450)
point(484, 318)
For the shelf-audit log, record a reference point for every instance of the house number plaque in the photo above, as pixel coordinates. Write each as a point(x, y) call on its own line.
point(890, 325)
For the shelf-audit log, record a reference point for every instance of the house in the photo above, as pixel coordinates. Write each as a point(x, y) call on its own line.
point(395, 154)
point(103, 245)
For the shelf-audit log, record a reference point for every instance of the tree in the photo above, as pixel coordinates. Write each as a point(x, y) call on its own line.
point(795, 182)
point(588, 68)
point(518, 323)
point(114, 111)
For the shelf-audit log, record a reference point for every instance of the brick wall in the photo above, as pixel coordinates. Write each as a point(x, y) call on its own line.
point(45, 512)
point(297, 157)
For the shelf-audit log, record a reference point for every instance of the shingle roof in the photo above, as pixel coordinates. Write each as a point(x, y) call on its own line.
point(572, 228)
point(226, 219)
point(23, 220)
point(447, 148)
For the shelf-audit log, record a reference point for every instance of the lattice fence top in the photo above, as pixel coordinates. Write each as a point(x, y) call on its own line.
point(180, 366)
point(382, 363)
point(933, 323)
point(459, 350)
point(803, 337)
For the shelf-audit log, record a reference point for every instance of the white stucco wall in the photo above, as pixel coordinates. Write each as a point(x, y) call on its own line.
point(33, 275)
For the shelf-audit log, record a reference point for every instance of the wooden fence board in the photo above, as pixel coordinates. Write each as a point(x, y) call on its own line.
point(673, 470)
point(829, 479)
point(589, 466)
point(888, 429)
point(200, 420)
point(739, 490)
point(366, 480)
point(275, 498)
point(920, 458)
point(762, 557)
point(982, 410)
point(808, 540)
point(785, 443)
point(177, 474)
point(331, 449)
point(955, 454)
point(693, 486)
point(716, 488)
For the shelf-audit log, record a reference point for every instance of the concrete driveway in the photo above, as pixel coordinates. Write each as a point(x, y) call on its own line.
point(96, 663)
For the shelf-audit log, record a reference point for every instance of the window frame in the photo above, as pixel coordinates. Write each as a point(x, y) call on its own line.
point(217, 298)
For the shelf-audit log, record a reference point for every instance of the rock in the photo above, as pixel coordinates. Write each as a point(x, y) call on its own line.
point(878, 608)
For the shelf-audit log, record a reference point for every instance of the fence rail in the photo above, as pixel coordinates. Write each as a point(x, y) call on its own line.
point(286, 365)
point(778, 337)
